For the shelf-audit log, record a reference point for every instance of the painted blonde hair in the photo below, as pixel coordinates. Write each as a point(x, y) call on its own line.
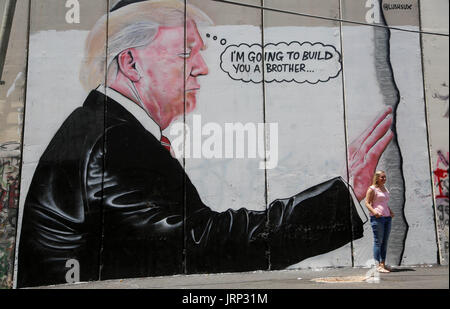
point(134, 25)
point(376, 177)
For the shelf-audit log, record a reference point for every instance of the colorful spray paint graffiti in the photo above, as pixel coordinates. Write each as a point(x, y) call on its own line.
point(439, 136)
point(9, 197)
point(442, 197)
point(441, 176)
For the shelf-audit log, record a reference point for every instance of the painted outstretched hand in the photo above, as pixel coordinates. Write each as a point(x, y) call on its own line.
point(366, 150)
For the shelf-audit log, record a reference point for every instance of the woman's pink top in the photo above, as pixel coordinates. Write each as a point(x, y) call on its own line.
point(380, 202)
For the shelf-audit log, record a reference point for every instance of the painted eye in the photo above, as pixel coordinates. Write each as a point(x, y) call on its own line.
point(185, 55)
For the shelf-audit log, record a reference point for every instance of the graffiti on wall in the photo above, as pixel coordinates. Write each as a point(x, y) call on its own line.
point(442, 183)
point(9, 195)
point(441, 176)
point(116, 202)
point(443, 98)
point(440, 169)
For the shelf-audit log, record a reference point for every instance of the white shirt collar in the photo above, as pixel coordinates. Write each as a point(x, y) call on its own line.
point(139, 113)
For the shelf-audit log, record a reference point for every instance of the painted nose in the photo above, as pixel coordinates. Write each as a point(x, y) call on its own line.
point(199, 66)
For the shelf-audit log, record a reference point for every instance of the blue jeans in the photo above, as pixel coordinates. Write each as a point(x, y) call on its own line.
point(381, 229)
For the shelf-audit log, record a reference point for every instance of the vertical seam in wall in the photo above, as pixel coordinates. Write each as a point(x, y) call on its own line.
point(100, 257)
point(346, 132)
point(433, 192)
point(266, 185)
point(22, 141)
point(184, 234)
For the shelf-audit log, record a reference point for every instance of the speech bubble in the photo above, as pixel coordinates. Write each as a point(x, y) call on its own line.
point(282, 62)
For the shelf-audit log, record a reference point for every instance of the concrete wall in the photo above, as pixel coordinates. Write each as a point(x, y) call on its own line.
point(337, 119)
point(435, 57)
point(12, 99)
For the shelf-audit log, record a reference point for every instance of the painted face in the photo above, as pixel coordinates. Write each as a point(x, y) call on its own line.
point(169, 72)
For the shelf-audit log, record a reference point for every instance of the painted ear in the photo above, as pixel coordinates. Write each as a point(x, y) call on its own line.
point(127, 65)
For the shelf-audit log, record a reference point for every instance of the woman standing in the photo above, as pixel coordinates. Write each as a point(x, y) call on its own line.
point(381, 215)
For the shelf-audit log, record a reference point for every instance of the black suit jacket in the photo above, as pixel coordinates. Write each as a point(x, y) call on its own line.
point(108, 194)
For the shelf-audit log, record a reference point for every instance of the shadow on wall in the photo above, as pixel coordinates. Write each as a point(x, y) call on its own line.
point(9, 197)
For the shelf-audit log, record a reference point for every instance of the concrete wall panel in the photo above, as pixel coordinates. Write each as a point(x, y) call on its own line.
point(435, 56)
point(392, 68)
point(224, 164)
point(309, 113)
point(12, 101)
point(54, 90)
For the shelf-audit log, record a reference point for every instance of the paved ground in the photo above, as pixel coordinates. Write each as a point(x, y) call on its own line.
point(420, 277)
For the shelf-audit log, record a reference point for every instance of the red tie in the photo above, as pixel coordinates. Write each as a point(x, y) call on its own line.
point(166, 143)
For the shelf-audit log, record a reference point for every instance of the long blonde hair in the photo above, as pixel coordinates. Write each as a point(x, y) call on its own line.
point(376, 177)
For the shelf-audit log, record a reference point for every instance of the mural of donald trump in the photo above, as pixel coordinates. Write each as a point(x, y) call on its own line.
point(108, 193)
